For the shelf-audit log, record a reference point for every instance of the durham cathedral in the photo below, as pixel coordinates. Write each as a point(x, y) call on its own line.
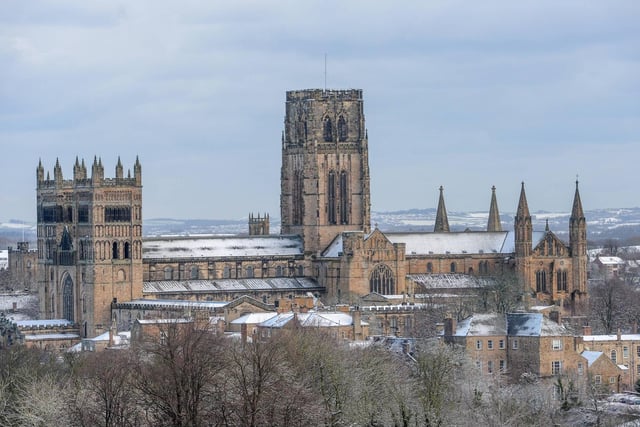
point(94, 263)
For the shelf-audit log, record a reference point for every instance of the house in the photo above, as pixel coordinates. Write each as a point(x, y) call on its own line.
point(603, 371)
point(515, 344)
point(609, 267)
point(338, 325)
point(622, 349)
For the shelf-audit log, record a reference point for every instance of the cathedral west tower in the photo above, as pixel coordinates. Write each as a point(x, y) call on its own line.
point(325, 166)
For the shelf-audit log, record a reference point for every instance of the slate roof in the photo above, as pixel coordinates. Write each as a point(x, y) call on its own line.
point(456, 243)
point(229, 285)
point(448, 281)
point(310, 319)
point(482, 325)
point(511, 324)
point(221, 247)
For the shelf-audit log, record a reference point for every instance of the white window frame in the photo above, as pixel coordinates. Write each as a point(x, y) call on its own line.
point(556, 345)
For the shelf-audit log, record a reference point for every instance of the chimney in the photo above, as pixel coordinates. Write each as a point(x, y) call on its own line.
point(356, 315)
point(619, 334)
point(586, 330)
point(450, 326)
point(243, 333)
point(634, 327)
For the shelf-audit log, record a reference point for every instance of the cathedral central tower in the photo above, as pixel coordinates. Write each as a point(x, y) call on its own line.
point(325, 166)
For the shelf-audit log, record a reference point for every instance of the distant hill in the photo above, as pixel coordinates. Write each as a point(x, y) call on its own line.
point(602, 224)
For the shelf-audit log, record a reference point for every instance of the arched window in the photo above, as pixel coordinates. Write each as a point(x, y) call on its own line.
point(342, 129)
point(561, 280)
point(470, 270)
point(344, 198)
point(327, 130)
point(195, 272)
point(382, 281)
point(279, 271)
point(250, 272)
point(168, 273)
point(331, 198)
point(453, 267)
point(67, 299)
point(297, 198)
point(429, 267)
point(127, 250)
point(541, 281)
point(114, 250)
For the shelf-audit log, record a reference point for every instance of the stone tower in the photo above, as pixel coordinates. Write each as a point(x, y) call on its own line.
point(325, 166)
point(578, 245)
point(89, 243)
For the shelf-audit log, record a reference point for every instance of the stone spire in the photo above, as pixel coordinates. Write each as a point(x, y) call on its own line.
point(494, 215)
point(442, 222)
point(40, 171)
point(119, 169)
point(523, 227)
point(577, 212)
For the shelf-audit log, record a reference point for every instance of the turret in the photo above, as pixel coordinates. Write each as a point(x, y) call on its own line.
point(97, 172)
point(40, 172)
point(57, 173)
point(578, 243)
point(119, 169)
point(522, 227)
point(494, 215)
point(442, 222)
point(137, 171)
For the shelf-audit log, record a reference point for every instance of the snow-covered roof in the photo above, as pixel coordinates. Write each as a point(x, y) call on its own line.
point(591, 356)
point(161, 321)
point(623, 337)
point(310, 319)
point(150, 304)
point(221, 246)
point(482, 325)
point(228, 285)
point(456, 243)
point(610, 260)
point(447, 281)
point(46, 323)
point(253, 318)
point(39, 337)
point(533, 324)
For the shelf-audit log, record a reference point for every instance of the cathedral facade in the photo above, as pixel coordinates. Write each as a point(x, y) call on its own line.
point(91, 253)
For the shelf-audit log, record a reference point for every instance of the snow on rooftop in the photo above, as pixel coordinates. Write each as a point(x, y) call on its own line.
point(623, 337)
point(591, 356)
point(482, 325)
point(253, 318)
point(310, 319)
point(151, 303)
point(4, 259)
point(610, 260)
point(39, 337)
point(226, 285)
point(221, 246)
point(46, 323)
point(447, 281)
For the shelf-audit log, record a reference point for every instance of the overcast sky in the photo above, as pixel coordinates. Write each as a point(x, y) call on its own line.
point(461, 94)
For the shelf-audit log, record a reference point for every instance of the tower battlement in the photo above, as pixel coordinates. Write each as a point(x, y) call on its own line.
point(81, 178)
point(325, 94)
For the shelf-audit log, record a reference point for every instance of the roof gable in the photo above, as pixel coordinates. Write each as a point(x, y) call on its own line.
point(550, 244)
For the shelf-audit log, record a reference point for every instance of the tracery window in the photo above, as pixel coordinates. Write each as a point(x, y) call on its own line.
point(344, 198)
point(541, 281)
point(327, 130)
point(331, 198)
point(249, 272)
point(67, 299)
point(127, 250)
point(342, 129)
point(297, 198)
point(561, 281)
point(382, 281)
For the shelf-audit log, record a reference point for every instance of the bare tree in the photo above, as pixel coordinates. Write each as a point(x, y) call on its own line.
point(176, 372)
